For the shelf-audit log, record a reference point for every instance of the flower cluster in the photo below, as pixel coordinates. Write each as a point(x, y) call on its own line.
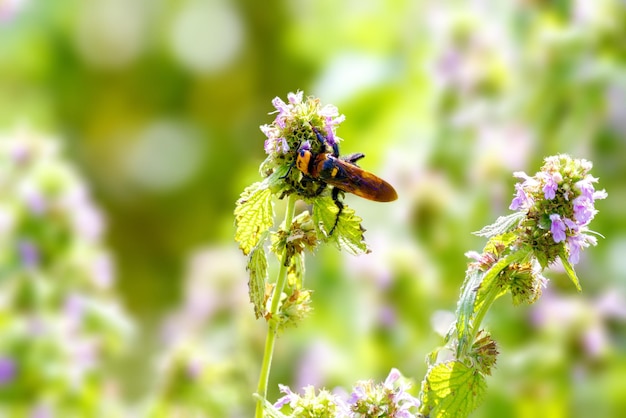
point(290, 131)
point(559, 201)
point(289, 114)
point(60, 320)
point(387, 399)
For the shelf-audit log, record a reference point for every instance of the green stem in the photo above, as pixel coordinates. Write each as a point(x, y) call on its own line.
point(271, 330)
point(491, 296)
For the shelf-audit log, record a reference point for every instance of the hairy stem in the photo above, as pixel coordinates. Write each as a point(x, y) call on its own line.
point(491, 296)
point(272, 324)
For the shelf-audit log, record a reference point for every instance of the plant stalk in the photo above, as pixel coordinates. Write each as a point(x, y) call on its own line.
point(272, 324)
point(492, 294)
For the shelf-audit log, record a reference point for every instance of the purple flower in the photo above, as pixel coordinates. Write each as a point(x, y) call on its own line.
point(8, 369)
point(583, 210)
point(551, 185)
point(295, 98)
point(281, 106)
point(289, 398)
point(522, 198)
point(389, 398)
point(557, 228)
point(586, 187)
point(577, 242)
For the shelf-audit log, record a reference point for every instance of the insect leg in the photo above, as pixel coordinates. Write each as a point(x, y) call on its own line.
point(324, 141)
point(353, 158)
point(339, 204)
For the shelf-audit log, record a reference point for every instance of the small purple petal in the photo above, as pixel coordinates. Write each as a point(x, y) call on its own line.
point(393, 376)
point(576, 243)
point(295, 98)
point(306, 146)
point(287, 399)
point(358, 394)
point(557, 228)
point(329, 111)
point(280, 105)
point(586, 188)
point(521, 199)
point(267, 130)
point(583, 210)
point(600, 194)
point(574, 246)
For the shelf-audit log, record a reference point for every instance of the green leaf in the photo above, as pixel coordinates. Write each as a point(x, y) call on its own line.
point(569, 269)
point(465, 308)
point(452, 389)
point(257, 267)
point(480, 289)
point(254, 215)
point(348, 234)
point(502, 225)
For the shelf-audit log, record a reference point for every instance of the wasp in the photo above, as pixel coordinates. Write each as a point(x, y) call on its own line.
point(342, 173)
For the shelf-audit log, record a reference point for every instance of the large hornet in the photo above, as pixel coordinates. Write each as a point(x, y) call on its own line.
point(342, 173)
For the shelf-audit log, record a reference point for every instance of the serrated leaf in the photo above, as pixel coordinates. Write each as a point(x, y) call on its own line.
point(254, 215)
point(569, 269)
point(452, 389)
point(501, 226)
point(498, 242)
point(257, 268)
point(348, 234)
point(465, 308)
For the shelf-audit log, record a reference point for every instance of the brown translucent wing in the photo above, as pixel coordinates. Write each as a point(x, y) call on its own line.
point(352, 179)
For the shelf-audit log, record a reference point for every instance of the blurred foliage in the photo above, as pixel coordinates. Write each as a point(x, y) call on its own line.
point(159, 103)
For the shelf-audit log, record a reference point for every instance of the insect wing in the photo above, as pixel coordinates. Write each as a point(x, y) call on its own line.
point(352, 179)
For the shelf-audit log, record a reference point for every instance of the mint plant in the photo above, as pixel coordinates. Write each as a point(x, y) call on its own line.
point(285, 302)
point(60, 318)
point(553, 210)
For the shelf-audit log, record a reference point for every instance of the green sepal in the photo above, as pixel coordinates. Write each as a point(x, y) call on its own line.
point(254, 215)
point(451, 389)
point(257, 269)
point(569, 269)
point(348, 234)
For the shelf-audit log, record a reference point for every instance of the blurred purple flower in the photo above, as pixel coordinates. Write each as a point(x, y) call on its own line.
point(9, 9)
point(34, 200)
point(41, 411)
point(103, 270)
point(29, 254)
point(74, 310)
point(8, 370)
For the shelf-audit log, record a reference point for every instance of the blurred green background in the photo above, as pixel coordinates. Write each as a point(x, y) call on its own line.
point(158, 104)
